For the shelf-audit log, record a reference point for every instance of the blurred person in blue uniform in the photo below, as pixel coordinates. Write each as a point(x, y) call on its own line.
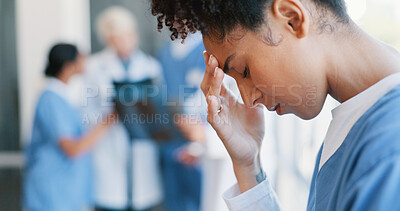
point(58, 171)
point(183, 67)
point(116, 155)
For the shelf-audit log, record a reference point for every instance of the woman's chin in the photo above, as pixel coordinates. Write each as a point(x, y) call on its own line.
point(307, 115)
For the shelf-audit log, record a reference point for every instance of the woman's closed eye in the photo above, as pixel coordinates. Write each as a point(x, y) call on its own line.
point(245, 72)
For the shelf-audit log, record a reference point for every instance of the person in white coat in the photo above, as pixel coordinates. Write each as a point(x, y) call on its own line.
point(116, 155)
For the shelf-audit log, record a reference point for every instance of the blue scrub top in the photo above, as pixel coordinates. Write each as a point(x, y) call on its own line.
point(53, 181)
point(364, 173)
point(175, 71)
point(182, 184)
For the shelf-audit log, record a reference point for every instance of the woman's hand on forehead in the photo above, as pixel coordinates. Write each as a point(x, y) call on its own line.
point(240, 128)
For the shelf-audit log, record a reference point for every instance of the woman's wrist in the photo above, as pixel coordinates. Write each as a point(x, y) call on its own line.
point(248, 175)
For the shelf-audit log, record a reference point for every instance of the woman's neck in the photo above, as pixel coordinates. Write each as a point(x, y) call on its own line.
point(64, 77)
point(358, 62)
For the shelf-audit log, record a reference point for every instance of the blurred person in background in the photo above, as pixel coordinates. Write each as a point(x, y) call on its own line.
point(116, 155)
point(183, 67)
point(194, 167)
point(58, 173)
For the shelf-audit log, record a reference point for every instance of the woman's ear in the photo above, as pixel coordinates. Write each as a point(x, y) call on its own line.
point(294, 15)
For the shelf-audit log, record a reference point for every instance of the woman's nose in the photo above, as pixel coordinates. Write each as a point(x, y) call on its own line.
point(249, 94)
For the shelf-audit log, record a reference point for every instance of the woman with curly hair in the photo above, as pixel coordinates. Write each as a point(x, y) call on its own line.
point(288, 55)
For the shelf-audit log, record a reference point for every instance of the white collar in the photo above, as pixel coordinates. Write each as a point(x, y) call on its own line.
point(57, 86)
point(347, 114)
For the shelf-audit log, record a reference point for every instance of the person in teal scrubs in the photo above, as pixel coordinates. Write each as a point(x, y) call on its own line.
point(58, 172)
point(182, 67)
point(287, 56)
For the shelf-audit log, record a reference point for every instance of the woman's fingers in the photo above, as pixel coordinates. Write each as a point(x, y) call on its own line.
point(216, 83)
point(215, 92)
point(213, 77)
point(211, 64)
point(214, 107)
point(206, 57)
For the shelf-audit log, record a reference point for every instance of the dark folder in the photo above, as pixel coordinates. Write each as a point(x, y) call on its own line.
point(144, 111)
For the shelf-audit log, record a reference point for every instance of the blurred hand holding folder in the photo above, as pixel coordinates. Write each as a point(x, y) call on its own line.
point(143, 109)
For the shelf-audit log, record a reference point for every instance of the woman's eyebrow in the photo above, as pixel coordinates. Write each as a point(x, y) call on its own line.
point(227, 61)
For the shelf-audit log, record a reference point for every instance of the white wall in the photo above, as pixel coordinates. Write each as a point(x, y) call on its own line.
point(40, 24)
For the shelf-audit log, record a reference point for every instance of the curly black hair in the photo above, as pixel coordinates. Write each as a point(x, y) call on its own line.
point(220, 17)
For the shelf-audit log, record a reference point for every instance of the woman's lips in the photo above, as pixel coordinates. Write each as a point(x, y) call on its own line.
point(273, 108)
point(257, 101)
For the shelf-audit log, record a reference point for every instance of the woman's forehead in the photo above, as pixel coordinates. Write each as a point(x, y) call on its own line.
point(227, 49)
point(220, 50)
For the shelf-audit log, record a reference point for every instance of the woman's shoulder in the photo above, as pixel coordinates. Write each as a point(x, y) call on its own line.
point(376, 135)
point(49, 95)
point(385, 113)
point(50, 101)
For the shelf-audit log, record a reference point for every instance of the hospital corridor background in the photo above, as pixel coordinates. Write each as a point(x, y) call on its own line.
point(174, 162)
